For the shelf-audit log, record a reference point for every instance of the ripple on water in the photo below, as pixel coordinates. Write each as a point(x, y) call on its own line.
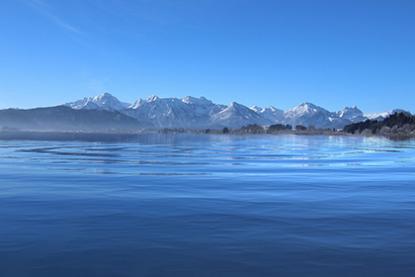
point(212, 155)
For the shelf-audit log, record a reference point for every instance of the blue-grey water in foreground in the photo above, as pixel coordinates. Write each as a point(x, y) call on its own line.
point(177, 205)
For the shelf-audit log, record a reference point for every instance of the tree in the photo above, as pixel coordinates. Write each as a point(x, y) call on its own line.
point(300, 128)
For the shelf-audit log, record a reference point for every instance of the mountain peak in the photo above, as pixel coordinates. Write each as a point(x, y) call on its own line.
point(236, 105)
point(351, 109)
point(104, 101)
point(105, 95)
point(354, 108)
point(353, 114)
point(270, 113)
point(136, 104)
point(238, 115)
point(194, 100)
point(257, 109)
point(306, 108)
point(273, 109)
point(153, 98)
point(308, 105)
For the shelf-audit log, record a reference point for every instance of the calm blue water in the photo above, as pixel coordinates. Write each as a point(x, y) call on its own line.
point(208, 206)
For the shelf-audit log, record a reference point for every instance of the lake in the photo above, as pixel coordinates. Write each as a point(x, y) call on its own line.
point(200, 205)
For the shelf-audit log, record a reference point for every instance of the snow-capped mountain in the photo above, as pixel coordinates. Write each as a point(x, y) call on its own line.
point(189, 112)
point(271, 113)
point(308, 114)
point(237, 115)
point(162, 112)
point(104, 101)
point(202, 107)
point(193, 112)
point(353, 114)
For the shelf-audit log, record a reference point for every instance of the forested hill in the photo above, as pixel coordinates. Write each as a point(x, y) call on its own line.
point(397, 125)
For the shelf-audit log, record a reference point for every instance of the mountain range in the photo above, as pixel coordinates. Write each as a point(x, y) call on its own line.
point(192, 112)
point(105, 113)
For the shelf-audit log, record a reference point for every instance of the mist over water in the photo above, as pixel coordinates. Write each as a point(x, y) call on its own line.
point(199, 205)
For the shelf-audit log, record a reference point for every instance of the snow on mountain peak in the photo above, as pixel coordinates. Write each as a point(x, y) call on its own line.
point(103, 101)
point(308, 114)
point(235, 105)
point(196, 101)
point(378, 116)
point(382, 115)
point(257, 109)
point(189, 112)
point(104, 96)
point(237, 115)
point(304, 109)
point(137, 104)
point(353, 114)
point(271, 113)
point(153, 98)
point(273, 109)
point(309, 107)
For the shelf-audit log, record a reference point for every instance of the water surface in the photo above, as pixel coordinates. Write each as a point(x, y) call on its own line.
point(187, 205)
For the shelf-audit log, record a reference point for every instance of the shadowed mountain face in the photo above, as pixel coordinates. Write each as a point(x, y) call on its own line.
point(62, 118)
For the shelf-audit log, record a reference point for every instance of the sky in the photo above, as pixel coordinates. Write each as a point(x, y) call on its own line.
point(262, 52)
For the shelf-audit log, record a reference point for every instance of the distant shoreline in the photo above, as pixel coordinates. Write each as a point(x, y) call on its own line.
point(131, 137)
point(66, 136)
point(399, 126)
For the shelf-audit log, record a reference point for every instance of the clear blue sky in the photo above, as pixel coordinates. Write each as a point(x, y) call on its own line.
point(331, 53)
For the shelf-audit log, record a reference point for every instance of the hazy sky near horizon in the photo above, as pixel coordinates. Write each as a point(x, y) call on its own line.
point(263, 52)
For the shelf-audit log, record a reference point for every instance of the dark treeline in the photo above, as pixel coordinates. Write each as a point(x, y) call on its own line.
point(257, 129)
point(398, 125)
